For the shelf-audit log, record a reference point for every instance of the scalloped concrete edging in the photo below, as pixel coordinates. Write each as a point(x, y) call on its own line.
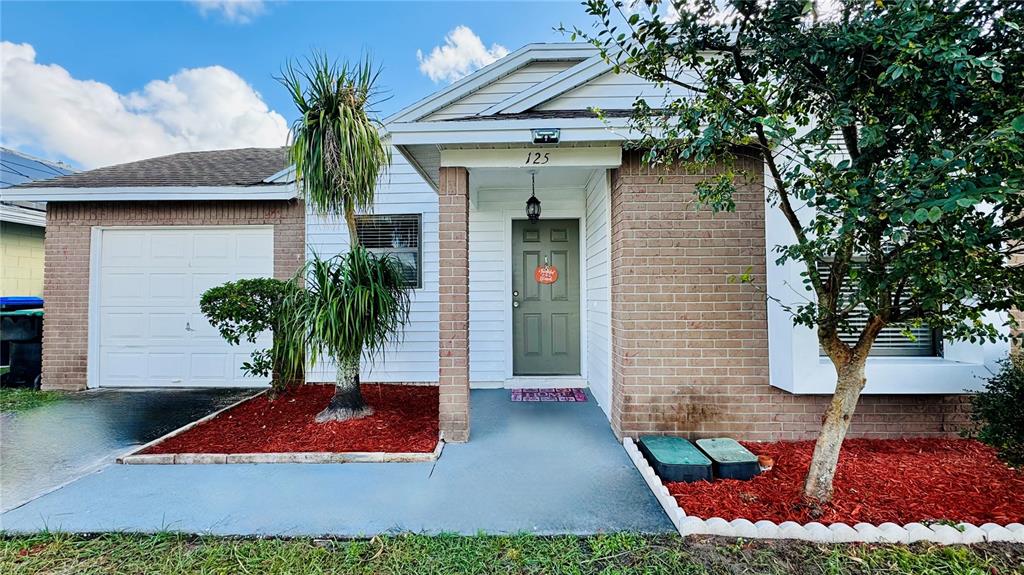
point(963, 533)
point(136, 457)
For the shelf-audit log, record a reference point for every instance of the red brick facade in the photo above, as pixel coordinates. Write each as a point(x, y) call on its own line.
point(689, 347)
point(453, 286)
point(66, 277)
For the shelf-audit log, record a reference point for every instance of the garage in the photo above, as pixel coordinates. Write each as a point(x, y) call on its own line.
point(149, 329)
point(131, 248)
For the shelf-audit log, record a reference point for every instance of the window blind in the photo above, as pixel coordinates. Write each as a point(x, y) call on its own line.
point(891, 341)
point(396, 234)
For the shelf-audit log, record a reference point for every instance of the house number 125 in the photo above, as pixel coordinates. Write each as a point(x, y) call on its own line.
point(537, 158)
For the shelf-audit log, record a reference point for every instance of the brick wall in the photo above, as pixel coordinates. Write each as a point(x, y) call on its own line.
point(689, 347)
point(66, 284)
point(453, 288)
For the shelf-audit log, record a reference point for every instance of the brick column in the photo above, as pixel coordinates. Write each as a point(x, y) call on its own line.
point(453, 285)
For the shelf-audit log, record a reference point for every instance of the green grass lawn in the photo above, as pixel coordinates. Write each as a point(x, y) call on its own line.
point(20, 398)
point(450, 555)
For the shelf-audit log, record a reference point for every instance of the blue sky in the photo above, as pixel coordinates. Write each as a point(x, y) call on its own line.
point(127, 46)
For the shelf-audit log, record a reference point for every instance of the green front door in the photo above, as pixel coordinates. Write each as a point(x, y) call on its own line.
point(546, 317)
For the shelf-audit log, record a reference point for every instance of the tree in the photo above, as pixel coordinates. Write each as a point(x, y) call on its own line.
point(892, 135)
point(352, 304)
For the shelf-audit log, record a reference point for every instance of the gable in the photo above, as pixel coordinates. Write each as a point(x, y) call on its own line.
point(518, 81)
point(610, 91)
point(493, 72)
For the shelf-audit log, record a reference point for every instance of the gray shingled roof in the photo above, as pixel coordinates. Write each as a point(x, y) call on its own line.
point(241, 167)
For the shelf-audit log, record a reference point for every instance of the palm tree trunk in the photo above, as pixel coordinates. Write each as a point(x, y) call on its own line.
point(347, 402)
point(851, 380)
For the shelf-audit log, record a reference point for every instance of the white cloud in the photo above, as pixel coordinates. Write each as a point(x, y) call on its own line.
point(237, 11)
point(43, 106)
point(462, 53)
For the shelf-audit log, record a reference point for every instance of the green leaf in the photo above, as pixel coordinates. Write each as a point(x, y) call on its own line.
point(921, 215)
point(934, 214)
point(1018, 124)
point(997, 76)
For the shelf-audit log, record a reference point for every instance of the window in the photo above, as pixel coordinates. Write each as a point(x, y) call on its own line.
point(891, 341)
point(398, 235)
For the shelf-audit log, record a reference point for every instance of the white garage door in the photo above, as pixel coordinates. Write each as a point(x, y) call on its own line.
point(150, 330)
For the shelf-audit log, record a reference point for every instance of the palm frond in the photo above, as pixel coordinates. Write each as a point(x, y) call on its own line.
point(336, 144)
point(353, 306)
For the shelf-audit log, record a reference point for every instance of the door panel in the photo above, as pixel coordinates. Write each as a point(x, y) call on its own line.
point(545, 318)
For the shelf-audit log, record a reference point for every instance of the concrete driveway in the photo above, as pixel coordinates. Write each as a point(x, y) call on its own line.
point(542, 468)
point(47, 446)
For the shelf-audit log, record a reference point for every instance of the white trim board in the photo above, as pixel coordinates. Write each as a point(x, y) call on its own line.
point(509, 131)
point(22, 215)
point(545, 381)
point(141, 193)
point(531, 157)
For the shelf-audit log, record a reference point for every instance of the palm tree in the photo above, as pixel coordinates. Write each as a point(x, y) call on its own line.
point(354, 303)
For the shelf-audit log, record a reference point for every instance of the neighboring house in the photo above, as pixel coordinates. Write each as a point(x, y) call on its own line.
point(23, 224)
point(643, 313)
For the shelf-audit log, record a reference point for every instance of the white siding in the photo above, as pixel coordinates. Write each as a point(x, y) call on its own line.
point(414, 358)
point(487, 260)
point(516, 82)
point(598, 297)
point(490, 231)
point(610, 91)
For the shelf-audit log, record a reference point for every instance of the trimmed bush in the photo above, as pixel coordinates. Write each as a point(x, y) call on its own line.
point(245, 309)
point(998, 415)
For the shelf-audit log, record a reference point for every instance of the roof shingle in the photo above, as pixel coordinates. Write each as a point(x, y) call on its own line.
point(239, 167)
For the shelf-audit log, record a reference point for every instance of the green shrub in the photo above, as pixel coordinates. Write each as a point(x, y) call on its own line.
point(997, 412)
point(245, 309)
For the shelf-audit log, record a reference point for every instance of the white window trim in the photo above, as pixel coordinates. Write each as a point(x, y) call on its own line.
point(795, 364)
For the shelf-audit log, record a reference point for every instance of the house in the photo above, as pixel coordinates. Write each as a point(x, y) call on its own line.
point(643, 311)
point(23, 224)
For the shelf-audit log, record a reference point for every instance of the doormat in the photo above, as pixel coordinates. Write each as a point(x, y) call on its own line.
point(562, 394)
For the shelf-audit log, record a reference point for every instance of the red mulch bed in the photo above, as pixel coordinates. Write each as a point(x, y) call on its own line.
point(404, 420)
point(902, 481)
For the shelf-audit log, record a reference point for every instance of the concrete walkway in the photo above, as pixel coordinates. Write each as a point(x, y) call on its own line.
point(46, 446)
point(529, 467)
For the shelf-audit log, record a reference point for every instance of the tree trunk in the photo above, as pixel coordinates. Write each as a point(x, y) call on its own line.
point(347, 402)
point(851, 380)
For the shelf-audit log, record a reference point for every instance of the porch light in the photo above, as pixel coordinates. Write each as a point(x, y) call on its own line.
point(533, 204)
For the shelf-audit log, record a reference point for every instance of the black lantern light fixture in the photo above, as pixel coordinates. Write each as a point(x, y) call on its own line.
point(533, 204)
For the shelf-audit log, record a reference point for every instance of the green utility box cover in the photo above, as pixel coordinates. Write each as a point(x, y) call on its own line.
point(731, 460)
point(675, 459)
